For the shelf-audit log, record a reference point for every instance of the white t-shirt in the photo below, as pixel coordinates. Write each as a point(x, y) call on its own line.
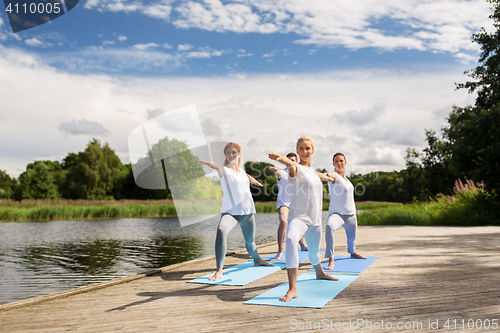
point(341, 197)
point(236, 196)
point(283, 190)
point(306, 196)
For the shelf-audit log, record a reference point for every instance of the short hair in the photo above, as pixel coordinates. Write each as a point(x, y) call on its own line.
point(291, 154)
point(339, 154)
point(304, 138)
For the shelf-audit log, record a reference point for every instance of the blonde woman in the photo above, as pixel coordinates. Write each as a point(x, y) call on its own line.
point(237, 206)
point(305, 212)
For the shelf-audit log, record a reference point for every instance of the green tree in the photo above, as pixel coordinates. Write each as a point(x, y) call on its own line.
point(6, 185)
point(474, 143)
point(170, 156)
point(174, 164)
point(260, 171)
point(474, 132)
point(37, 182)
point(93, 173)
point(487, 74)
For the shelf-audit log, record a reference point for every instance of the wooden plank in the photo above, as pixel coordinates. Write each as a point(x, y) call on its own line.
point(422, 275)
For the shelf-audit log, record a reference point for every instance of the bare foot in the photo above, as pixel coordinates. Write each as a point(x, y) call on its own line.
point(325, 276)
point(216, 276)
point(278, 255)
point(290, 294)
point(330, 266)
point(357, 256)
point(262, 262)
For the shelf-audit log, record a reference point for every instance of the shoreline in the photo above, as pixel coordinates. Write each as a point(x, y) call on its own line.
point(61, 210)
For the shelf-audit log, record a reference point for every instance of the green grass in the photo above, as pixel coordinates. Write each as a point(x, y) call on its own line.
point(45, 210)
point(61, 209)
point(470, 208)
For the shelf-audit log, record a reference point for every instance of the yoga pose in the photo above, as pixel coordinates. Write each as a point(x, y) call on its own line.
point(342, 211)
point(283, 206)
point(237, 206)
point(305, 212)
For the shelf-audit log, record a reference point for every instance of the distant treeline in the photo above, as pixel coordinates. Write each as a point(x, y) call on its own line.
point(97, 173)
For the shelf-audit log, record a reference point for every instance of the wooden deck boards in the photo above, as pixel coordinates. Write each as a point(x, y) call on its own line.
point(422, 274)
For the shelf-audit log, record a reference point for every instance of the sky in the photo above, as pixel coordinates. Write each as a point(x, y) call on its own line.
point(365, 78)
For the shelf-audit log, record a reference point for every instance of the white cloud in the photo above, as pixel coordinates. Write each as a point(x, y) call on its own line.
point(272, 109)
point(359, 117)
point(143, 47)
point(122, 38)
point(116, 60)
point(211, 127)
point(184, 47)
point(35, 42)
point(83, 127)
point(158, 9)
point(205, 52)
point(383, 156)
point(108, 42)
point(242, 53)
point(439, 25)
point(442, 26)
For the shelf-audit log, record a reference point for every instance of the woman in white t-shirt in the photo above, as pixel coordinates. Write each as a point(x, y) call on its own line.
point(305, 212)
point(342, 211)
point(237, 206)
point(283, 207)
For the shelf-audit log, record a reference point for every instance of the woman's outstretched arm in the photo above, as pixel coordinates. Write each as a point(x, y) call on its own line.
point(215, 166)
point(277, 172)
point(327, 177)
point(291, 165)
point(253, 181)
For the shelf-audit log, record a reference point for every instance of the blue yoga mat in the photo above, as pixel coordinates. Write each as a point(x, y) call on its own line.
point(241, 274)
point(303, 256)
point(313, 293)
point(348, 264)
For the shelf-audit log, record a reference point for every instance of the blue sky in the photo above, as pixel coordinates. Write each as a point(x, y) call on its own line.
point(365, 78)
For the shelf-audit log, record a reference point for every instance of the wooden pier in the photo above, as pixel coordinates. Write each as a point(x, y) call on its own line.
point(423, 277)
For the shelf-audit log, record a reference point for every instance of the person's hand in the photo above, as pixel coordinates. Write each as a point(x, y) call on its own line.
point(333, 177)
point(274, 156)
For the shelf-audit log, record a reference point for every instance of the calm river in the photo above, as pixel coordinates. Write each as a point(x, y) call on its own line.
point(40, 258)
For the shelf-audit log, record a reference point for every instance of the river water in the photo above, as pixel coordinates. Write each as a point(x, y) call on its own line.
point(41, 258)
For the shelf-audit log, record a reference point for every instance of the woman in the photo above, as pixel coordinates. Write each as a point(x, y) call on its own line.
point(283, 206)
point(305, 212)
point(237, 206)
point(342, 211)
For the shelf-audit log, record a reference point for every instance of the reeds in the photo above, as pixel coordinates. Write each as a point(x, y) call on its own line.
point(469, 206)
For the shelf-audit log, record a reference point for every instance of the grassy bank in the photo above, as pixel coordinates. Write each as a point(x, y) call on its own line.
point(61, 209)
point(467, 208)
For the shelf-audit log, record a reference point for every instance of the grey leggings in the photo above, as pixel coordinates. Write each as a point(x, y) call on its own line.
point(335, 222)
point(226, 224)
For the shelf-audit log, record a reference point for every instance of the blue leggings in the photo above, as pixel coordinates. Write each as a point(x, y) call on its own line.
point(226, 224)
